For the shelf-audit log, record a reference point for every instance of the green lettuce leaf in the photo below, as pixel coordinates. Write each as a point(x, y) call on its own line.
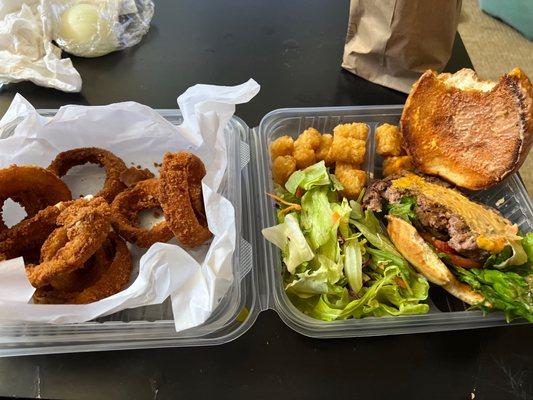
point(290, 239)
point(313, 176)
point(343, 210)
point(353, 264)
point(404, 209)
point(527, 244)
point(506, 291)
point(357, 210)
point(518, 256)
point(310, 283)
point(371, 229)
point(316, 216)
point(499, 258)
point(324, 308)
point(386, 253)
point(336, 185)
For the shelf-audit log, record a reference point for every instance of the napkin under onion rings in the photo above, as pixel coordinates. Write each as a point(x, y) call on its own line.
point(33, 187)
point(112, 164)
point(180, 173)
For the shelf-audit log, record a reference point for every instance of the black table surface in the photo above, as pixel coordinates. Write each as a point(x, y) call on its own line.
point(293, 49)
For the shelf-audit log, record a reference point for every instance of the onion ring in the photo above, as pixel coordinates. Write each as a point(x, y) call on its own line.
point(34, 188)
point(126, 207)
point(26, 238)
point(83, 228)
point(133, 175)
point(105, 274)
point(112, 164)
point(179, 173)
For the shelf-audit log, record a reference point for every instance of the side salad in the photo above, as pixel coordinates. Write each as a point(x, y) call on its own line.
point(338, 261)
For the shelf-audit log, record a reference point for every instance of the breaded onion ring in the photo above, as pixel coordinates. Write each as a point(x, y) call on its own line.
point(112, 164)
point(133, 175)
point(105, 274)
point(180, 173)
point(83, 228)
point(125, 213)
point(26, 238)
point(34, 188)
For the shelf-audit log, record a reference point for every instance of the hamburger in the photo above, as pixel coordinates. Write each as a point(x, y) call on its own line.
point(453, 241)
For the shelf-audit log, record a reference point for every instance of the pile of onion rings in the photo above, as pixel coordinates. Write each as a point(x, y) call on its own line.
point(75, 251)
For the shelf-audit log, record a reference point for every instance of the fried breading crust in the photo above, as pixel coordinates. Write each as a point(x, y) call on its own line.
point(177, 173)
point(83, 228)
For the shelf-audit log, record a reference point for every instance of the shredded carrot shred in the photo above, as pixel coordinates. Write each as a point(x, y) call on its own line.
point(400, 282)
point(290, 206)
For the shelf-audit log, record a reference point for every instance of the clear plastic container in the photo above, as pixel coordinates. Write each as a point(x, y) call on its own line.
point(152, 326)
point(446, 313)
point(257, 264)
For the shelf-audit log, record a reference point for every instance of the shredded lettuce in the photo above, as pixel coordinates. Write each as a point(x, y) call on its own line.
point(404, 209)
point(290, 239)
point(316, 217)
point(371, 228)
point(527, 244)
point(517, 256)
point(313, 176)
point(309, 283)
point(380, 299)
point(353, 264)
point(500, 258)
point(335, 183)
point(507, 291)
point(339, 261)
point(342, 213)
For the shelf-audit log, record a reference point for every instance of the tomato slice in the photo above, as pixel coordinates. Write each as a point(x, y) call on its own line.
point(455, 258)
point(443, 246)
point(464, 262)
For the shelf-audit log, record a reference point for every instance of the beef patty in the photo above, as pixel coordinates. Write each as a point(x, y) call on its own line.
point(433, 217)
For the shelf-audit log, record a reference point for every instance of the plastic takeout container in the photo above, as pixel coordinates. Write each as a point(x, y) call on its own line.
point(257, 264)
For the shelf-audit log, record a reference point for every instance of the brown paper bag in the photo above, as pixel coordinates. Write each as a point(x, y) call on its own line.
point(391, 42)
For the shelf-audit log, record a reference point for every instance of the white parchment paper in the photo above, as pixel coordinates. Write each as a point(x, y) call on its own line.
point(195, 281)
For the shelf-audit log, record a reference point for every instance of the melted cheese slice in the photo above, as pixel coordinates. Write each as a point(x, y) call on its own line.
point(492, 230)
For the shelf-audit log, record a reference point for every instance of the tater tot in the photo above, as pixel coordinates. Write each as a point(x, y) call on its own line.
point(352, 178)
point(304, 157)
point(322, 152)
point(394, 165)
point(282, 146)
point(282, 168)
point(309, 138)
point(355, 130)
point(388, 140)
point(347, 150)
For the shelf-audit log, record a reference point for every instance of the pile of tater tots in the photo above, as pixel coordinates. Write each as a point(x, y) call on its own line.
point(343, 152)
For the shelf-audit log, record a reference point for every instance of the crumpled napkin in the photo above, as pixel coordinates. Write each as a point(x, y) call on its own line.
point(195, 280)
point(26, 49)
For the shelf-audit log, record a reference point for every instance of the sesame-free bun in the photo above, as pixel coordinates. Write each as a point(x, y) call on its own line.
point(415, 250)
point(468, 131)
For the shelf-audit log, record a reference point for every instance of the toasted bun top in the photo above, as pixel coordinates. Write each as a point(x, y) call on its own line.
point(470, 132)
point(493, 231)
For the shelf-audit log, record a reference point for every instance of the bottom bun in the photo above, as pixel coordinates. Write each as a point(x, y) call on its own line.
point(415, 249)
